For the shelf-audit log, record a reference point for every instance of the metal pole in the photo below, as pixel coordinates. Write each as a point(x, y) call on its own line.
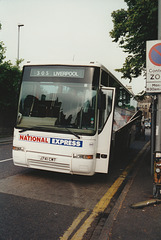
point(153, 111)
point(18, 43)
point(158, 111)
point(159, 20)
point(157, 129)
point(18, 49)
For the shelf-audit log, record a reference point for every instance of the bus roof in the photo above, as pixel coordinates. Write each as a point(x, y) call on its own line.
point(68, 63)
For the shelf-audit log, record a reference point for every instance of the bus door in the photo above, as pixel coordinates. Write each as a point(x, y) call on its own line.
point(105, 128)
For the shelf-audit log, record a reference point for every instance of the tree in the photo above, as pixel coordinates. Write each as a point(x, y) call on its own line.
point(2, 49)
point(132, 28)
point(9, 85)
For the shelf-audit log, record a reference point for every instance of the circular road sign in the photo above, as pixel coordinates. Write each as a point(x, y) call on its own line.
point(155, 54)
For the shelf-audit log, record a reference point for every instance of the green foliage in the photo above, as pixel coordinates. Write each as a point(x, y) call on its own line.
point(2, 49)
point(140, 96)
point(2, 52)
point(132, 28)
point(9, 82)
point(18, 62)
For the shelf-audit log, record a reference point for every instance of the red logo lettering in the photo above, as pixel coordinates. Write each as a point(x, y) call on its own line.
point(21, 137)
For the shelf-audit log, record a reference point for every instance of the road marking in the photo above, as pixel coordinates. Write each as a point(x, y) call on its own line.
point(6, 160)
point(104, 201)
point(74, 225)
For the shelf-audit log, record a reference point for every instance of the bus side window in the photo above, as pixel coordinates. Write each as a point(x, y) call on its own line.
point(105, 79)
point(106, 108)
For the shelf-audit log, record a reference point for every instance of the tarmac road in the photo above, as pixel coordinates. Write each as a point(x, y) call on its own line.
point(122, 222)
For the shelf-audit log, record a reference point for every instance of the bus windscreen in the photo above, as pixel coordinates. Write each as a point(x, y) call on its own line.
point(55, 98)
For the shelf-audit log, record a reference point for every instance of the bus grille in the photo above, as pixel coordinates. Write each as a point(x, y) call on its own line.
point(51, 166)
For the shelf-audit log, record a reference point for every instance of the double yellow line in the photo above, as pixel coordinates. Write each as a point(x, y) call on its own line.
point(101, 205)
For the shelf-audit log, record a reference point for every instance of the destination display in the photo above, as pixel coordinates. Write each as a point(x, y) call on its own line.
point(57, 72)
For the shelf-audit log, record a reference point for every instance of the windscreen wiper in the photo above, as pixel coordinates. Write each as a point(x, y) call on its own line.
point(28, 129)
point(36, 127)
point(76, 135)
point(39, 127)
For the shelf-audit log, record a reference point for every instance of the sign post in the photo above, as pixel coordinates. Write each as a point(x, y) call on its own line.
point(153, 62)
point(153, 86)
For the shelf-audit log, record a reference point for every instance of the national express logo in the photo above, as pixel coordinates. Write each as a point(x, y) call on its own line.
point(48, 140)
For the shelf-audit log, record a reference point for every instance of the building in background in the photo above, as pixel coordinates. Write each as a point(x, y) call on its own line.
point(144, 106)
point(130, 89)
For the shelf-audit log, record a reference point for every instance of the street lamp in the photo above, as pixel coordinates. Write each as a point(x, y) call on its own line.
point(18, 51)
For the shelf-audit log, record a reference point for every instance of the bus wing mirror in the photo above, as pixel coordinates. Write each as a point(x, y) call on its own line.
point(101, 101)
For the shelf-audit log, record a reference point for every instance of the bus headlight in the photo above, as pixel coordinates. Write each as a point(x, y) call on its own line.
point(82, 156)
point(18, 148)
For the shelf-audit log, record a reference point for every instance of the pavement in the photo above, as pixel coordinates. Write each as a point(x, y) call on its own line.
point(127, 223)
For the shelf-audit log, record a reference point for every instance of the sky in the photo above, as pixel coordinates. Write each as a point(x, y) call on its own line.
point(64, 30)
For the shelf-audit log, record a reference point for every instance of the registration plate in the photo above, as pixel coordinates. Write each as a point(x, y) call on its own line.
point(48, 159)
